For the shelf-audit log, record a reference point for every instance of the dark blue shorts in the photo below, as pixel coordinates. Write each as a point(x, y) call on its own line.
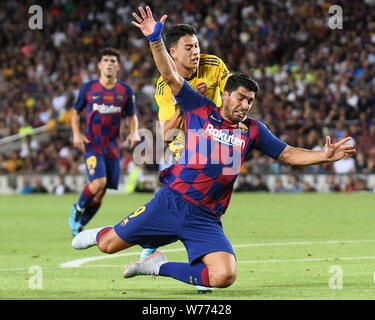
point(98, 166)
point(168, 218)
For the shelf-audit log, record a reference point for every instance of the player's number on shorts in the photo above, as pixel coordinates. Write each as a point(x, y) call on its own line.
point(91, 164)
point(134, 214)
point(138, 212)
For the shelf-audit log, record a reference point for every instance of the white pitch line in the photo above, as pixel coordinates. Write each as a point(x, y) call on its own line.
point(258, 261)
point(242, 262)
point(79, 262)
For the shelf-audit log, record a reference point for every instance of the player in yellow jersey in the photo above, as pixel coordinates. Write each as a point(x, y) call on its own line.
point(205, 73)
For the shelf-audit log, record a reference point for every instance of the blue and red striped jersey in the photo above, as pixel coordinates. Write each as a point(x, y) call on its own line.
point(214, 152)
point(104, 110)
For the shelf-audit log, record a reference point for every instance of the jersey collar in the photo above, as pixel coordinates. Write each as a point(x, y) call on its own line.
point(193, 76)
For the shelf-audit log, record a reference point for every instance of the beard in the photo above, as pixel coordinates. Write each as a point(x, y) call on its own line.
point(232, 117)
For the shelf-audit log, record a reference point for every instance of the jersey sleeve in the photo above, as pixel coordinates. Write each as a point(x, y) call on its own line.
point(80, 103)
point(129, 109)
point(223, 75)
point(268, 143)
point(189, 99)
point(164, 99)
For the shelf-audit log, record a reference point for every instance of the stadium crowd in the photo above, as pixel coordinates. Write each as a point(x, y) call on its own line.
point(315, 81)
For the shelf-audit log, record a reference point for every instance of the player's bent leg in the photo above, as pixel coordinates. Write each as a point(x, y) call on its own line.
point(222, 271)
point(110, 242)
point(105, 238)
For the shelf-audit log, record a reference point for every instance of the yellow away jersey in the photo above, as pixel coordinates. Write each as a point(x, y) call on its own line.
point(209, 80)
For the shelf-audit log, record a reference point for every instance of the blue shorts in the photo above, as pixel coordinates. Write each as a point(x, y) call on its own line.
point(98, 166)
point(168, 218)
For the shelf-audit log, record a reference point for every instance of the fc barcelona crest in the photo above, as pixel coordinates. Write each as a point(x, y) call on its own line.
point(119, 98)
point(243, 128)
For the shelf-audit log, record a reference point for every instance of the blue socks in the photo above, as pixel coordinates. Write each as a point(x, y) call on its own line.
point(195, 274)
point(85, 198)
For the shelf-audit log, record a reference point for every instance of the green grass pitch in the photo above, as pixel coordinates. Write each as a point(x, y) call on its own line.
point(288, 246)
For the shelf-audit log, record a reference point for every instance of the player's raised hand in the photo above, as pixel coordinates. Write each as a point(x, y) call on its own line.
point(338, 150)
point(146, 22)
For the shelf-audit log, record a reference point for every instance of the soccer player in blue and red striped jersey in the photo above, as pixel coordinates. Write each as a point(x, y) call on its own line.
point(197, 188)
point(106, 101)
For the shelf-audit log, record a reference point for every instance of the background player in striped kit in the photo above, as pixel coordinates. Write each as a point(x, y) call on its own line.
point(197, 188)
point(106, 100)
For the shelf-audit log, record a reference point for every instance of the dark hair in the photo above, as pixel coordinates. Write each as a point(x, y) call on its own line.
point(176, 32)
point(241, 80)
point(108, 52)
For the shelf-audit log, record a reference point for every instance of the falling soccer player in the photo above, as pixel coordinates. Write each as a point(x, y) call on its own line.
point(206, 73)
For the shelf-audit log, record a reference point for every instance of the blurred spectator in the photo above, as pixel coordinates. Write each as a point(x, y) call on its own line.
point(360, 162)
point(38, 187)
point(257, 164)
point(332, 186)
point(279, 187)
point(307, 187)
point(12, 163)
point(345, 165)
point(137, 180)
point(361, 185)
point(338, 133)
point(259, 185)
point(243, 184)
point(349, 184)
point(27, 187)
point(273, 166)
point(143, 183)
point(4, 129)
point(61, 188)
point(295, 184)
point(41, 163)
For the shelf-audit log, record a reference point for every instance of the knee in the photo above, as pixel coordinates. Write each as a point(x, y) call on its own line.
point(98, 185)
point(223, 278)
point(105, 245)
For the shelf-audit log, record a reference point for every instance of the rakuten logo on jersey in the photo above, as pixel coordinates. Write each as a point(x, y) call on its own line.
point(106, 109)
point(223, 137)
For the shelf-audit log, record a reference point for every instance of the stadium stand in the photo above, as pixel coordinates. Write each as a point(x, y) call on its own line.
point(314, 81)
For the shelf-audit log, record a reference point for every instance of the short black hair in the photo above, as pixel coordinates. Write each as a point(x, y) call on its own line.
point(108, 52)
point(176, 32)
point(241, 80)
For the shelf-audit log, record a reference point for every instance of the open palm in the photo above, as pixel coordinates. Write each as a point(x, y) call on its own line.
point(146, 22)
point(338, 150)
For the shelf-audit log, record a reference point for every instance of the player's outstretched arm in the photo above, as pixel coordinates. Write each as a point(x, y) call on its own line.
point(332, 152)
point(164, 62)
